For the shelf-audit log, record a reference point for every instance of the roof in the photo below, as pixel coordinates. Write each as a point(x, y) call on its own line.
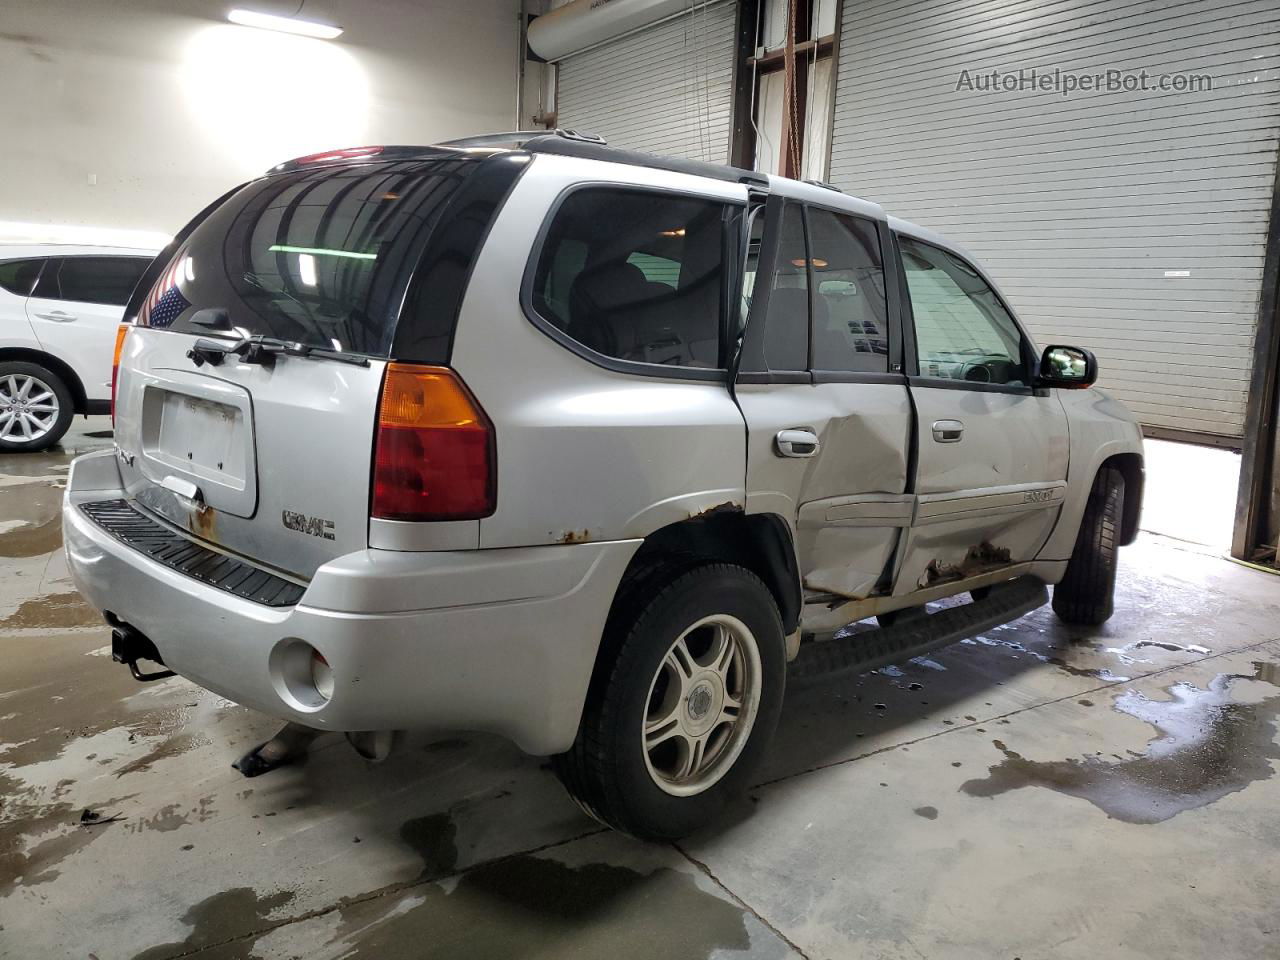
point(22, 251)
point(572, 143)
point(567, 143)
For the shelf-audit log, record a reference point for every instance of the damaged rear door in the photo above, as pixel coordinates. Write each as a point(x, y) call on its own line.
point(992, 452)
point(826, 404)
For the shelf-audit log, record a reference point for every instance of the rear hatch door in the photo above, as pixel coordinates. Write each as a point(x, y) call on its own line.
point(266, 452)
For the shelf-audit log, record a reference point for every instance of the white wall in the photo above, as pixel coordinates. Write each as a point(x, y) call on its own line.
point(166, 105)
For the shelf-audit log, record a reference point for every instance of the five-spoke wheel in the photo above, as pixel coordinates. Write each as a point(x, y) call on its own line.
point(701, 705)
point(686, 694)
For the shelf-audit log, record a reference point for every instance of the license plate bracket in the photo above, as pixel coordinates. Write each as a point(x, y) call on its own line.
point(200, 433)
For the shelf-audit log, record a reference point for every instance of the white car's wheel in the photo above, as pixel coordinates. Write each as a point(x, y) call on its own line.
point(35, 407)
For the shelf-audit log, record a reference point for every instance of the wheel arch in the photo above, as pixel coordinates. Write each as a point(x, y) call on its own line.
point(760, 542)
point(59, 367)
point(1131, 468)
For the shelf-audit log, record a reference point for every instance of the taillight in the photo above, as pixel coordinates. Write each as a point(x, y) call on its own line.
point(434, 455)
point(122, 331)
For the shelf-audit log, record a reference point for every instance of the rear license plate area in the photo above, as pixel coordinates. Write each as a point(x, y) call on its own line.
point(202, 438)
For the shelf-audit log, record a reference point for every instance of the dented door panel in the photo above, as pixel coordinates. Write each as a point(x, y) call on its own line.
point(991, 499)
point(848, 501)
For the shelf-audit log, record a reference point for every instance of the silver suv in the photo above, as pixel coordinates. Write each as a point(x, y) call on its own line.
point(580, 447)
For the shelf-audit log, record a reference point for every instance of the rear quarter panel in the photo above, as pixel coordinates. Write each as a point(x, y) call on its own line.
point(15, 328)
point(586, 453)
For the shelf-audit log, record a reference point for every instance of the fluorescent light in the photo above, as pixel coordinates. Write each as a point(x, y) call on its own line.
point(321, 252)
point(267, 21)
point(307, 269)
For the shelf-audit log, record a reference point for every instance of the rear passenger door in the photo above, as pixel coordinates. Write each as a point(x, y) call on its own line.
point(17, 279)
point(992, 451)
point(828, 418)
point(75, 309)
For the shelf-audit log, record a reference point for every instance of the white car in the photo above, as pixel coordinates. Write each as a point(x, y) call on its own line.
point(582, 447)
point(60, 307)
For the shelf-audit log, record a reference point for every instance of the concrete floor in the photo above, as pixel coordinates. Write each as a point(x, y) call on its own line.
point(1037, 792)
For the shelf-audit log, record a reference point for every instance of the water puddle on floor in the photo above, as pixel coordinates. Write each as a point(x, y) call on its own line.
point(1092, 673)
point(522, 905)
point(32, 524)
point(1209, 746)
point(54, 610)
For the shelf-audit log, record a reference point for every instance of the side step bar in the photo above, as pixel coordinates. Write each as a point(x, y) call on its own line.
point(913, 636)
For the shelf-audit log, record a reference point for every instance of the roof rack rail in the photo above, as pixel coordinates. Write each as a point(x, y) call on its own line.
point(823, 184)
point(518, 137)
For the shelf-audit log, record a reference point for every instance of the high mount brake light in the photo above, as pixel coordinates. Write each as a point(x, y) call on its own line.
point(434, 449)
point(346, 153)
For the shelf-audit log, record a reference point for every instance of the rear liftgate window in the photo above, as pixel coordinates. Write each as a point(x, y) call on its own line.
point(322, 257)
point(636, 275)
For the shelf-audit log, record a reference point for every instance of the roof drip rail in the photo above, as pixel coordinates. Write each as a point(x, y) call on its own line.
point(519, 137)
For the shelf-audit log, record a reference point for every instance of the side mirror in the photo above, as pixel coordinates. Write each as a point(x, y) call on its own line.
point(1072, 368)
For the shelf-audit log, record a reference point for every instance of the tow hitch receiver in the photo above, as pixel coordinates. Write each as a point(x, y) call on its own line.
point(128, 646)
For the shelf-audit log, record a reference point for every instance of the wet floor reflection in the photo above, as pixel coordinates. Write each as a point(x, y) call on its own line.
point(1208, 745)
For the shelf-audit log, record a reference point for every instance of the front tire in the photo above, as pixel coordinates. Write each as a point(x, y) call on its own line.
point(1086, 595)
point(36, 407)
point(679, 714)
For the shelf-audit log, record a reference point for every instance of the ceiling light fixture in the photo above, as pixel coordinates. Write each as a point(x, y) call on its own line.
point(267, 21)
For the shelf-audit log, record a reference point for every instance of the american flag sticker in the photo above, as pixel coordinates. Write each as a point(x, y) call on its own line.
point(165, 302)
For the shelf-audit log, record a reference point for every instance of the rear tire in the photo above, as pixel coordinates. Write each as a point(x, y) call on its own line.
point(36, 407)
point(682, 704)
point(1086, 595)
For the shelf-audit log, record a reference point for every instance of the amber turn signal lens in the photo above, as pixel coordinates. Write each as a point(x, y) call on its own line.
point(122, 332)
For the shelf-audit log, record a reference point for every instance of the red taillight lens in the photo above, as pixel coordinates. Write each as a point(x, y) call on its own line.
point(121, 332)
point(434, 453)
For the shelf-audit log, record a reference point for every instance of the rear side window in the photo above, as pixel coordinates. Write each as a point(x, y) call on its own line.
point(318, 256)
point(105, 280)
point(19, 276)
point(850, 315)
point(636, 275)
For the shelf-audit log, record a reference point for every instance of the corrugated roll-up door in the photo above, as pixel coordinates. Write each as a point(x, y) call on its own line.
point(665, 89)
point(1130, 222)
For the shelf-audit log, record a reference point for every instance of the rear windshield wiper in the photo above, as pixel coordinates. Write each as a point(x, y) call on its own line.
point(264, 350)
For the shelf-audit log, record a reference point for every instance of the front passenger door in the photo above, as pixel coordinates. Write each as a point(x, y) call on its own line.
point(992, 452)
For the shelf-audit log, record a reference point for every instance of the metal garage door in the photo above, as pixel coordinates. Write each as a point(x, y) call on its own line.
point(663, 89)
point(1130, 222)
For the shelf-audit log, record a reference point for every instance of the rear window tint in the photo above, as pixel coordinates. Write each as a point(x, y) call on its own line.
point(19, 276)
point(320, 257)
point(636, 275)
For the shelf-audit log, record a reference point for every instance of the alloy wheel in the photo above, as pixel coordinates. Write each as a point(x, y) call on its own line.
point(701, 706)
point(28, 408)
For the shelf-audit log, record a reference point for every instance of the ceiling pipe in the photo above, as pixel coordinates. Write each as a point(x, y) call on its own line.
point(586, 23)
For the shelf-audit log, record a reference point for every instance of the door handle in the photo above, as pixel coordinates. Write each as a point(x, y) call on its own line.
point(796, 443)
point(57, 316)
point(948, 431)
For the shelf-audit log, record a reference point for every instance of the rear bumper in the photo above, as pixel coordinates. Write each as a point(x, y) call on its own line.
point(496, 640)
